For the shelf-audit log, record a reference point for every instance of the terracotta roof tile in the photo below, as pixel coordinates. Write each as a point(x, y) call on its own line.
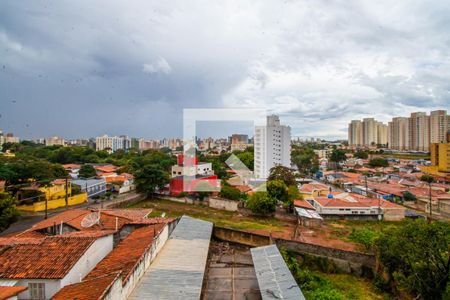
point(303, 203)
point(310, 187)
point(119, 262)
point(11, 291)
point(125, 256)
point(74, 217)
point(52, 258)
point(93, 289)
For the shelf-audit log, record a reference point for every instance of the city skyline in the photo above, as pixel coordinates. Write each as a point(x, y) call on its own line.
point(126, 67)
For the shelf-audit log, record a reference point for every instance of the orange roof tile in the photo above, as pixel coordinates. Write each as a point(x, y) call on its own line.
point(92, 289)
point(119, 262)
point(53, 258)
point(115, 179)
point(71, 166)
point(106, 169)
point(128, 253)
point(11, 291)
point(303, 203)
point(74, 218)
point(310, 187)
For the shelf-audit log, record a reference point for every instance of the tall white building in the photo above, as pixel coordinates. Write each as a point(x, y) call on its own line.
point(110, 143)
point(272, 146)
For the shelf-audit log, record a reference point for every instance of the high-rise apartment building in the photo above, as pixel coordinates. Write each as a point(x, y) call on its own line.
point(419, 131)
point(382, 133)
point(272, 146)
point(368, 132)
point(438, 126)
point(355, 133)
point(109, 143)
point(398, 131)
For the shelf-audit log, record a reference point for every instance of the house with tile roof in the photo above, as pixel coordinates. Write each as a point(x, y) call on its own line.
point(120, 221)
point(313, 190)
point(355, 206)
point(44, 265)
point(117, 274)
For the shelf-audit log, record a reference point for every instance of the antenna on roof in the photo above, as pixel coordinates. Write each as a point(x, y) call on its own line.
point(90, 220)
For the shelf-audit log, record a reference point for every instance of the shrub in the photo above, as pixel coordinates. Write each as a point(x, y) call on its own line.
point(230, 193)
point(365, 237)
point(261, 204)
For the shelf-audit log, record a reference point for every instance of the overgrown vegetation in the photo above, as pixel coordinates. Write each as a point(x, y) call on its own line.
point(318, 281)
point(416, 257)
point(8, 212)
point(365, 237)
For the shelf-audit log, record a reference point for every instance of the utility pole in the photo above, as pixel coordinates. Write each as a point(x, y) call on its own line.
point(367, 188)
point(46, 208)
point(431, 204)
point(66, 195)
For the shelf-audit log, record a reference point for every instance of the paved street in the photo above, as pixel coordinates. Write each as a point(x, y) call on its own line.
point(29, 219)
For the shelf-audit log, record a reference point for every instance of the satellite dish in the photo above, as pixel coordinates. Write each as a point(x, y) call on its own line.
point(90, 220)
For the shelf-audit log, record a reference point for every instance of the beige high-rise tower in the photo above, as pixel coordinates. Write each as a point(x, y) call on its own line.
point(419, 131)
point(399, 133)
point(370, 132)
point(355, 133)
point(382, 133)
point(438, 126)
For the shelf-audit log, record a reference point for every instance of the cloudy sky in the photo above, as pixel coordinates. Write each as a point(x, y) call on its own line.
point(85, 68)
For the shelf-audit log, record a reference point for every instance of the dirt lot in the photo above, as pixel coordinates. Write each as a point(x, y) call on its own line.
point(327, 235)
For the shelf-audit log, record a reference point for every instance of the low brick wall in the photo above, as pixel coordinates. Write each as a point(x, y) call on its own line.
point(126, 201)
point(347, 261)
point(223, 204)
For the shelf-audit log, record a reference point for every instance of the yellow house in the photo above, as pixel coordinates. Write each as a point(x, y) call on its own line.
point(55, 197)
point(311, 190)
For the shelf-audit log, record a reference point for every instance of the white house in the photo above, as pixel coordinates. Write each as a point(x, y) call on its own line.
point(45, 265)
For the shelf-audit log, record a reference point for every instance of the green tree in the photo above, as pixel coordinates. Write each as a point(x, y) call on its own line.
point(277, 190)
point(337, 156)
point(87, 171)
point(151, 170)
point(261, 204)
point(378, 162)
point(150, 177)
point(8, 212)
point(305, 159)
point(361, 154)
point(282, 173)
point(247, 158)
point(231, 193)
point(417, 257)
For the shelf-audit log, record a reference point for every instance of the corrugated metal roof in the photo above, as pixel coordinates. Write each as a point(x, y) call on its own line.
point(308, 213)
point(274, 278)
point(178, 270)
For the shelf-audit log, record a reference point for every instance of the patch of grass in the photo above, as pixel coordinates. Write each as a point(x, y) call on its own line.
point(219, 217)
point(353, 287)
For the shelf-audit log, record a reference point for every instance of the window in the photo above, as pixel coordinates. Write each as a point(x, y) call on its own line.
point(37, 291)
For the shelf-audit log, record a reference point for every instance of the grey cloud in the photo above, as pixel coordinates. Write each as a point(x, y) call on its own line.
point(80, 68)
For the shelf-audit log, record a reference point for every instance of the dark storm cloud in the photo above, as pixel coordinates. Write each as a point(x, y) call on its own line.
point(83, 68)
